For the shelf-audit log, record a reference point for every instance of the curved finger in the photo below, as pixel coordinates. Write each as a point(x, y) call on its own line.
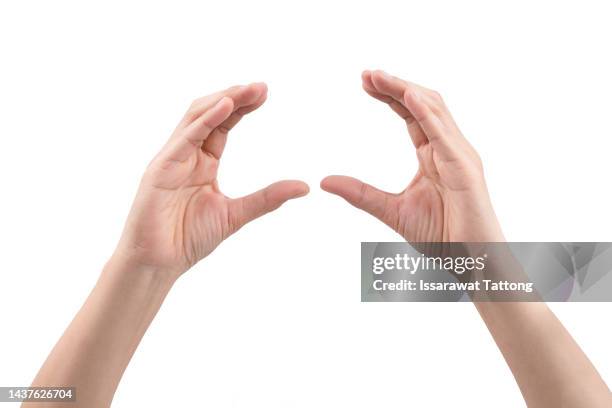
point(395, 105)
point(416, 133)
point(246, 209)
point(379, 203)
point(247, 101)
point(394, 87)
point(237, 92)
point(192, 137)
point(388, 85)
point(427, 110)
point(437, 133)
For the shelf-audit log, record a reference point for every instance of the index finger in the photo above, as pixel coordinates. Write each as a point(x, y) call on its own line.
point(427, 121)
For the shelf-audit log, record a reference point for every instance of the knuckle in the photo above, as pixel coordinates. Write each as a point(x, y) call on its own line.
point(363, 191)
point(266, 200)
point(437, 105)
point(194, 107)
point(437, 97)
point(196, 103)
point(410, 93)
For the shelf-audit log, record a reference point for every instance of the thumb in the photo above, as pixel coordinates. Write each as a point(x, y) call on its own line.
point(245, 209)
point(363, 196)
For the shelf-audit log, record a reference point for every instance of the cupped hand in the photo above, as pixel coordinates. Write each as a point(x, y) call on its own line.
point(180, 215)
point(447, 200)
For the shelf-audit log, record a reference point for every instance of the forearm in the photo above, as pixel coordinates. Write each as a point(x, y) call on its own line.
point(550, 368)
point(178, 217)
point(97, 346)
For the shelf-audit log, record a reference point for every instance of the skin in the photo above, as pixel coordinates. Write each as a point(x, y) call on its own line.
point(178, 217)
point(448, 201)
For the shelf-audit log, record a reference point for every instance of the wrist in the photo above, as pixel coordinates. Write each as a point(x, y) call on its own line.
point(124, 264)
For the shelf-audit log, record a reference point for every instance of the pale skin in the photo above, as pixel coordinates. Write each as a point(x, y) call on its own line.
point(448, 201)
point(179, 216)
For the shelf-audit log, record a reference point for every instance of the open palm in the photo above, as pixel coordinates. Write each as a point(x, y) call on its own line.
point(179, 215)
point(447, 200)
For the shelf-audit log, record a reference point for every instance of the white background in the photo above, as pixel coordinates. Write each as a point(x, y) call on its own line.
point(89, 92)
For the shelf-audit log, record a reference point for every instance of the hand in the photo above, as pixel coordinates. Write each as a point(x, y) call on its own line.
point(447, 201)
point(179, 215)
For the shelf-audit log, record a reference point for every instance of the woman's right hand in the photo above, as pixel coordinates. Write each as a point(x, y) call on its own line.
point(447, 200)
